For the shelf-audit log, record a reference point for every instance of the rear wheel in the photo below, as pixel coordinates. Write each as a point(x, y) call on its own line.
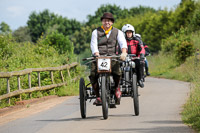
point(135, 94)
point(104, 97)
point(82, 93)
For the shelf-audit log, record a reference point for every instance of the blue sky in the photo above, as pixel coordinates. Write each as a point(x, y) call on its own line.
point(16, 12)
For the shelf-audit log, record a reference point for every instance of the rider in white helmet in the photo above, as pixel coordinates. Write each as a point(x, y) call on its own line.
point(135, 46)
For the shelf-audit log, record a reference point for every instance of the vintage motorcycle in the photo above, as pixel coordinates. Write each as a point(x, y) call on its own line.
point(128, 84)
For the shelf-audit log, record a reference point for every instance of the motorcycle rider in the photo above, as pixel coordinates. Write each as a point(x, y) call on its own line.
point(147, 53)
point(135, 46)
point(103, 43)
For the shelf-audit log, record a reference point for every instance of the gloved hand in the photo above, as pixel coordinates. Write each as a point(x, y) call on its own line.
point(123, 56)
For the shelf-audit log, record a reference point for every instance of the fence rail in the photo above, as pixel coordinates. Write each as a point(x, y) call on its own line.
point(8, 75)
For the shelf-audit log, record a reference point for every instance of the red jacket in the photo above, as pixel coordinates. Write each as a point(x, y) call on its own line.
point(133, 45)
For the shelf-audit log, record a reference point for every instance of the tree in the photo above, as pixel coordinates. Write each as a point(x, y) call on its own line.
point(115, 10)
point(38, 23)
point(81, 39)
point(140, 10)
point(60, 42)
point(41, 22)
point(183, 14)
point(22, 34)
point(5, 28)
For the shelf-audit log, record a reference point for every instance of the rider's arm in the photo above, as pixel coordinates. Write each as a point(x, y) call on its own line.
point(93, 43)
point(123, 50)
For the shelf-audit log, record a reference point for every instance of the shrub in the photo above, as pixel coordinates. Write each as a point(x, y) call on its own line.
point(180, 45)
point(183, 50)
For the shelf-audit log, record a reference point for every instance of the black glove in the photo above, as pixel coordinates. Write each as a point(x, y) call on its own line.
point(142, 57)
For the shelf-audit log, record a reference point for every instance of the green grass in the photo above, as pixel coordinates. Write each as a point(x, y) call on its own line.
point(191, 112)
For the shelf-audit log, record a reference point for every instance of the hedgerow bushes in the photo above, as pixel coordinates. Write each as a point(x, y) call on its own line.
point(180, 45)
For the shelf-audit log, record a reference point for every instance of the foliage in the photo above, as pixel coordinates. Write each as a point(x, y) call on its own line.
point(117, 12)
point(18, 56)
point(191, 112)
point(160, 65)
point(42, 22)
point(155, 26)
point(183, 14)
point(5, 51)
point(179, 44)
point(195, 21)
point(96, 19)
point(22, 34)
point(60, 42)
point(81, 39)
point(71, 89)
point(4, 28)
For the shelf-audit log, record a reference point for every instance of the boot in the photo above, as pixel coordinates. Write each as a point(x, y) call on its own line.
point(117, 89)
point(141, 84)
point(95, 86)
point(147, 71)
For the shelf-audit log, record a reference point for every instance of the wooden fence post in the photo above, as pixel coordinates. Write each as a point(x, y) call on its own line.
point(8, 89)
point(29, 83)
point(68, 73)
point(39, 83)
point(61, 74)
point(52, 80)
point(19, 87)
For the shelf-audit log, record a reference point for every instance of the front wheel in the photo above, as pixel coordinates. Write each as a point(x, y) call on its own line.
point(127, 79)
point(82, 93)
point(135, 94)
point(104, 97)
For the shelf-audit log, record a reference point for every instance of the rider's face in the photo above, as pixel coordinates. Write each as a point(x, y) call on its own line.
point(107, 23)
point(129, 34)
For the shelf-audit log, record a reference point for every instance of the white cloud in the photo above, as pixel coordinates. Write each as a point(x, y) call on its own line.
point(15, 11)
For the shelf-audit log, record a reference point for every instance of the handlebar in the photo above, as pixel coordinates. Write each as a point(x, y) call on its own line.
point(132, 55)
point(91, 59)
point(94, 57)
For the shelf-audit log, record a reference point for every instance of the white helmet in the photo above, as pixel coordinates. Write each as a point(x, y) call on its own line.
point(138, 35)
point(127, 27)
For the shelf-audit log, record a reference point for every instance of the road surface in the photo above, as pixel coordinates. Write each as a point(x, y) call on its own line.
point(161, 102)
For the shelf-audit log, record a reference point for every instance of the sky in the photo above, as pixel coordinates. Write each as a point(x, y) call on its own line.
point(16, 12)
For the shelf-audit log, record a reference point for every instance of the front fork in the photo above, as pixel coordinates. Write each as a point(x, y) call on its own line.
point(110, 89)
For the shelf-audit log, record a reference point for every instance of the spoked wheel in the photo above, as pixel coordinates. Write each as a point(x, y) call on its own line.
point(135, 95)
point(82, 93)
point(104, 97)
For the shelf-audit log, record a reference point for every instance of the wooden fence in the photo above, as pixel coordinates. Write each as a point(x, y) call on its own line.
point(8, 75)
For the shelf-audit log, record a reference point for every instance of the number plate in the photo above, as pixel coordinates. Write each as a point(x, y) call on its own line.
point(104, 64)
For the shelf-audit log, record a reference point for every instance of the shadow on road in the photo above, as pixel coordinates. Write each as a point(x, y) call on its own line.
point(73, 119)
point(90, 118)
point(164, 122)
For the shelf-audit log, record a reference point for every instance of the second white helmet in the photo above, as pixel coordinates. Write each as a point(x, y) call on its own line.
point(127, 27)
point(138, 35)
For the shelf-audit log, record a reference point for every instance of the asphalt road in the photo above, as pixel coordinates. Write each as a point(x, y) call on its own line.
point(161, 102)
